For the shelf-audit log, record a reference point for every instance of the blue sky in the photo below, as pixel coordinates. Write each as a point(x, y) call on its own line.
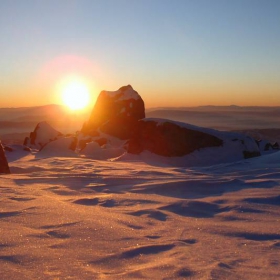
point(174, 53)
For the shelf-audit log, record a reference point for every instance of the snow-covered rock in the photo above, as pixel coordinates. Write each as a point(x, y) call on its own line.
point(117, 129)
point(4, 167)
point(116, 113)
point(43, 134)
point(167, 138)
point(174, 139)
point(121, 114)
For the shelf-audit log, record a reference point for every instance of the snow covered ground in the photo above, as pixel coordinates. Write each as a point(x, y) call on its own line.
point(83, 218)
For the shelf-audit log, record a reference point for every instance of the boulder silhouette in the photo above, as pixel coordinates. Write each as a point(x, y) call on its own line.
point(4, 167)
point(116, 113)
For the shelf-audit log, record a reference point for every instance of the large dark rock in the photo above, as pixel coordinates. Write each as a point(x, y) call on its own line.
point(116, 113)
point(168, 139)
point(4, 167)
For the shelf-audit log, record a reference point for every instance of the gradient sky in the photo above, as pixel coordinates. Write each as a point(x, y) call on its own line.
point(174, 53)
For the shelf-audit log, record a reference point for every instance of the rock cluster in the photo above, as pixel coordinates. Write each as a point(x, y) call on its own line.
point(121, 114)
point(117, 125)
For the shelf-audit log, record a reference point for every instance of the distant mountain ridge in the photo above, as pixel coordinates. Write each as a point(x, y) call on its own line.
point(18, 122)
point(222, 117)
point(217, 108)
point(45, 110)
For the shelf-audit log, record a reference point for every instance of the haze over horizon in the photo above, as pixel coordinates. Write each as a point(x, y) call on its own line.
point(153, 107)
point(179, 53)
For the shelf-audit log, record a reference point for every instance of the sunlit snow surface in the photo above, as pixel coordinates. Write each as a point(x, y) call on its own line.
point(82, 218)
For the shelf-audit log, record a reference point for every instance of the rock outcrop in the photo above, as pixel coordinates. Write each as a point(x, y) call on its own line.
point(4, 167)
point(42, 135)
point(116, 113)
point(51, 142)
point(202, 146)
point(166, 138)
point(275, 146)
point(121, 114)
point(265, 145)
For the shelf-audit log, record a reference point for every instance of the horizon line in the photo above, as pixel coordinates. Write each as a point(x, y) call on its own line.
point(158, 107)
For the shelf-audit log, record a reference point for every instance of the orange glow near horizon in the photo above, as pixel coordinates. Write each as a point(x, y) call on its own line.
point(58, 78)
point(51, 93)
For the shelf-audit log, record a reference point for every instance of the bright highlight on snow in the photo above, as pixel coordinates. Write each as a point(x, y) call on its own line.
point(75, 95)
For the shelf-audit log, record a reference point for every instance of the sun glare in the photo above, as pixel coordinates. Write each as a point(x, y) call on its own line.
point(75, 95)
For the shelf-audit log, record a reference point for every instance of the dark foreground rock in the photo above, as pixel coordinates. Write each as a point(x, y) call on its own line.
point(4, 167)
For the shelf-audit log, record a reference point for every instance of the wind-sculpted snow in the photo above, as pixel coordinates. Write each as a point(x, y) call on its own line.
point(82, 218)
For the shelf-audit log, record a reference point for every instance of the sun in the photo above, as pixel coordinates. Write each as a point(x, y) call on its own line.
point(75, 95)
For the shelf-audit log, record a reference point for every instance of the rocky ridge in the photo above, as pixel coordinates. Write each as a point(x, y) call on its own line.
point(117, 126)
